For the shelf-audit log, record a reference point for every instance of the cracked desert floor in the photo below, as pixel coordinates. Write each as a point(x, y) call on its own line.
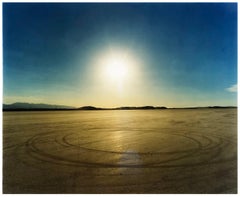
point(171, 151)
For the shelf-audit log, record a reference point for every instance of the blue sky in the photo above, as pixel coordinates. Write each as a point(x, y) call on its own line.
point(184, 54)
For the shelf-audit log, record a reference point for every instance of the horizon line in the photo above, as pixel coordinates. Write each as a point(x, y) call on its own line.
point(91, 107)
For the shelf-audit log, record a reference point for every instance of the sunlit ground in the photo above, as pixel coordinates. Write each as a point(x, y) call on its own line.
point(160, 151)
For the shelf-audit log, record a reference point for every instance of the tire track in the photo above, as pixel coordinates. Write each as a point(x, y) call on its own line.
point(213, 146)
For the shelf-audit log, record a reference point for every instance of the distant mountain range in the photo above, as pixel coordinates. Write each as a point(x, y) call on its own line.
point(120, 108)
point(32, 106)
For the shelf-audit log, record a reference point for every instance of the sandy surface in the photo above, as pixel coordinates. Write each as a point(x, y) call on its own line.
point(151, 151)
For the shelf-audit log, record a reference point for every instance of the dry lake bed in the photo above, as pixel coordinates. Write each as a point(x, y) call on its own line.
point(130, 151)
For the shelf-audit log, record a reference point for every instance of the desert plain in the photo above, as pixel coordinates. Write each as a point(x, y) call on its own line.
point(172, 151)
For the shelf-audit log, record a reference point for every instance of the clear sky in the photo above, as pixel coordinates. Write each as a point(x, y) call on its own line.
point(108, 55)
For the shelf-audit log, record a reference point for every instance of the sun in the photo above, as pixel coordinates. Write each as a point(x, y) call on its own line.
point(117, 67)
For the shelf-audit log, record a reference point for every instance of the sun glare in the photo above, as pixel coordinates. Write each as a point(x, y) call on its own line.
point(116, 68)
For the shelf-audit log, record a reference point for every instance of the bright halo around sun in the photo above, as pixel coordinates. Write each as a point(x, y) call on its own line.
point(117, 67)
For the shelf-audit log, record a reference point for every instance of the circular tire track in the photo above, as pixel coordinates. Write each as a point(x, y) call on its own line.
point(48, 147)
point(149, 168)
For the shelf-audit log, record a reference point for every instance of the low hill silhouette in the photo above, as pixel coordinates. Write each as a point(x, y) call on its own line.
point(89, 108)
point(33, 106)
point(141, 107)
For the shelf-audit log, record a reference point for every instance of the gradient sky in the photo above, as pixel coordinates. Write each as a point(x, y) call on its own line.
point(179, 54)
